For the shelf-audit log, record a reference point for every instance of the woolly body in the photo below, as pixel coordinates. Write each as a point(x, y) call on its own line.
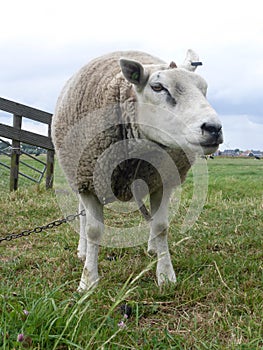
point(98, 98)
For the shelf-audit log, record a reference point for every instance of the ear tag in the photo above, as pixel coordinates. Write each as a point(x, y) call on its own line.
point(135, 76)
point(195, 64)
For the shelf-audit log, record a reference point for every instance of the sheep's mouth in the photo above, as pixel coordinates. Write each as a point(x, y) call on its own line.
point(205, 147)
point(209, 145)
point(209, 148)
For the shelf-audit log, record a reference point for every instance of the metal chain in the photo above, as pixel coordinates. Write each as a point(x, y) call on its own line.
point(39, 229)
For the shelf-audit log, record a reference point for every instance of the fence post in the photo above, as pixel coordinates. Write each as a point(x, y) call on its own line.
point(15, 155)
point(50, 164)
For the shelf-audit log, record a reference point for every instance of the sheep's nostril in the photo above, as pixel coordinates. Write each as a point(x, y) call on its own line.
point(212, 129)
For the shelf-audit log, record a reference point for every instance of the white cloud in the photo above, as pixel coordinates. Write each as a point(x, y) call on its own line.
point(236, 70)
point(202, 22)
point(240, 132)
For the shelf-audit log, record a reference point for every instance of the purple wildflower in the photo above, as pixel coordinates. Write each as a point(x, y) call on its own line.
point(20, 337)
point(121, 324)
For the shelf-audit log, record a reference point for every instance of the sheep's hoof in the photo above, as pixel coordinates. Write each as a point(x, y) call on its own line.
point(88, 280)
point(152, 250)
point(81, 288)
point(164, 279)
point(82, 257)
point(84, 287)
point(165, 275)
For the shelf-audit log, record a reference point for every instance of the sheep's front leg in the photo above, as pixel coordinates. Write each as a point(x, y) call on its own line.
point(93, 233)
point(158, 236)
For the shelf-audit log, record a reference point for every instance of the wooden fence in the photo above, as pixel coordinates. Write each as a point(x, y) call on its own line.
point(17, 135)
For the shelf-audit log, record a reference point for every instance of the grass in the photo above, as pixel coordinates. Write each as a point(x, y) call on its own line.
point(216, 303)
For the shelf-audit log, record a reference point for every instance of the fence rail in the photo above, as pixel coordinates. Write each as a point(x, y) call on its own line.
point(25, 136)
point(17, 135)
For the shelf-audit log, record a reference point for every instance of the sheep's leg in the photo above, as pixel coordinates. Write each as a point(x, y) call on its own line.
point(82, 247)
point(159, 210)
point(94, 230)
point(158, 236)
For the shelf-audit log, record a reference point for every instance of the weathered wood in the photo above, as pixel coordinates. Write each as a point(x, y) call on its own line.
point(17, 135)
point(50, 169)
point(14, 170)
point(50, 164)
point(26, 137)
point(25, 111)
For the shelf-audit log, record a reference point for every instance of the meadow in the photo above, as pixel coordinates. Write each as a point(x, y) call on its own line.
point(217, 302)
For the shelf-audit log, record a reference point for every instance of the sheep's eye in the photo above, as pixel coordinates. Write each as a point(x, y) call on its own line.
point(157, 87)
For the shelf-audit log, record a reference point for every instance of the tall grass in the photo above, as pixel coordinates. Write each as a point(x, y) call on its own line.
point(215, 304)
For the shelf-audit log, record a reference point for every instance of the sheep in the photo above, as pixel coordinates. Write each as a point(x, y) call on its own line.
point(126, 120)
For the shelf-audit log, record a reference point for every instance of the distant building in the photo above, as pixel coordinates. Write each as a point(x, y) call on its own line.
point(229, 153)
point(238, 153)
point(257, 153)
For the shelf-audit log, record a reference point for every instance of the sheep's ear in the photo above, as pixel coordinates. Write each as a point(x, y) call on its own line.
point(133, 71)
point(191, 61)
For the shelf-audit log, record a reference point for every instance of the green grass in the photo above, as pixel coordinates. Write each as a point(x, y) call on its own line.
point(23, 168)
point(216, 303)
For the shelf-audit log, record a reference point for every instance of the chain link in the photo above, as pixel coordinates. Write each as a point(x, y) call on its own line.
point(39, 229)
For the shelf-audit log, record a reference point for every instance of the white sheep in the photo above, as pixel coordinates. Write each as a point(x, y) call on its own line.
point(128, 116)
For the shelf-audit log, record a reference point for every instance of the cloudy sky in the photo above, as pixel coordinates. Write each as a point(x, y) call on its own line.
point(42, 43)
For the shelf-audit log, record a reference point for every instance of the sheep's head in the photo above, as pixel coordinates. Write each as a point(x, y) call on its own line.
point(172, 105)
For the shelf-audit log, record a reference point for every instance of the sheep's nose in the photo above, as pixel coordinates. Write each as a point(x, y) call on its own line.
point(214, 130)
point(212, 133)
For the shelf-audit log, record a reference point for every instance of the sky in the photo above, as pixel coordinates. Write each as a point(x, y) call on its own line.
point(42, 43)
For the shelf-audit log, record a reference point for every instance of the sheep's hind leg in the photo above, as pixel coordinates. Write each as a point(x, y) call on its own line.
point(94, 230)
point(158, 236)
point(82, 246)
